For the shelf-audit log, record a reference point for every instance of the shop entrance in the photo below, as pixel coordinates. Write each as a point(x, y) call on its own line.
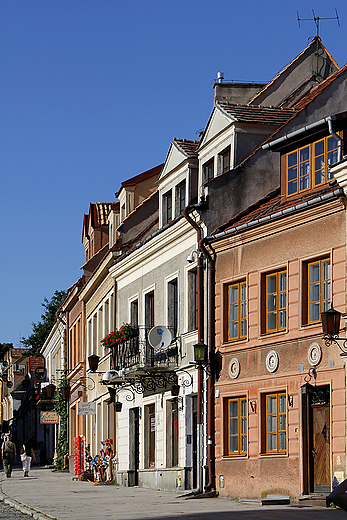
point(318, 439)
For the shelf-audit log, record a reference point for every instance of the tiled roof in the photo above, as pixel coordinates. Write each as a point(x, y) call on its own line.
point(103, 209)
point(257, 114)
point(276, 205)
point(141, 177)
point(186, 146)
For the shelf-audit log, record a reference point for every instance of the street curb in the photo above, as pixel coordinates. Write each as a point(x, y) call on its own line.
point(38, 515)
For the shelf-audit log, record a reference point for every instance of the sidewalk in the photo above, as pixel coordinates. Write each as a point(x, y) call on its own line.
point(48, 494)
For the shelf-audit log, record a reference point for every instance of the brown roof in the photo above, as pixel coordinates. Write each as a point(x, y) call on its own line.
point(102, 209)
point(141, 177)
point(277, 205)
point(186, 146)
point(257, 114)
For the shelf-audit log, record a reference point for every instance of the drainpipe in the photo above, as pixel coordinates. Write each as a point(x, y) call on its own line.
point(200, 283)
point(337, 137)
point(211, 355)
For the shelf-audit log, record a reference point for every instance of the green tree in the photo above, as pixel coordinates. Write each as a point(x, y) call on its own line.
point(4, 347)
point(42, 329)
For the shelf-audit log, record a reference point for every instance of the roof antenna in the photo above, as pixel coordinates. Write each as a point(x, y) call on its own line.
point(316, 19)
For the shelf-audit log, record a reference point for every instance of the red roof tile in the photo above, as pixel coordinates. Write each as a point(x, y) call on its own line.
point(275, 205)
point(186, 146)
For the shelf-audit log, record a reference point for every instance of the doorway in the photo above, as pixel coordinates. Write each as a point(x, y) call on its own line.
point(134, 446)
point(318, 440)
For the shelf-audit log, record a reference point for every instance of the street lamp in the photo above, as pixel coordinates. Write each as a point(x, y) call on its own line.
point(93, 361)
point(200, 353)
point(331, 328)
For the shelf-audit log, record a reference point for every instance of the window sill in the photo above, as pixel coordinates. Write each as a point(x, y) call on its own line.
point(272, 455)
point(233, 457)
point(271, 334)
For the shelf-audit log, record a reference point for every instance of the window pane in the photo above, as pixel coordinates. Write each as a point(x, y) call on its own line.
point(233, 409)
point(243, 407)
point(272, 441)
point(314, 272)
point(271, 321)
point(283, 443)
point(319, 148)
point(332, 143)
point(272, 404)
point(234, 294)
point(283, 281)
point(282, 318)
point(292, 159)
point(292, 187)
point(314, 311)
point(234, 444)
point(234, 426)
point(304, 154)
point(271, 284)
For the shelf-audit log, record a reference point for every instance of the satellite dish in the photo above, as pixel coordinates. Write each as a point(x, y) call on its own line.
point(159, 337)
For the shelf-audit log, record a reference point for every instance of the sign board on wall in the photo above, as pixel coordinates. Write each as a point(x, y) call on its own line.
point(86, 408)
point(49, 418)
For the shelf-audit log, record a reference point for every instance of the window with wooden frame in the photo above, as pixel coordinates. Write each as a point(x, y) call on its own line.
point(192, 299)
point(308, 166)
point(237, 426)
point(225, 160)
point(208, 170)
point(167, 207)
point(180, 198)
point(172, 303)
point(237, 311)
point(276, 301)
point(318, 278)
point(276, 423)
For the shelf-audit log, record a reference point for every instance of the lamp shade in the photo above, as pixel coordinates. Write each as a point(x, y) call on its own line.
point(93, 361)
point(175, 390)
point(65, 392)
point(200, 353)
point(117, 406)
point(50, 389)
point(331, 322)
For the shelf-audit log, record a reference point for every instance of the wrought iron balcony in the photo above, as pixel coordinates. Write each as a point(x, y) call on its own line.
point(136, 352)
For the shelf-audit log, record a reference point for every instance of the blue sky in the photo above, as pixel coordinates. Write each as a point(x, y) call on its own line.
point(92, 93)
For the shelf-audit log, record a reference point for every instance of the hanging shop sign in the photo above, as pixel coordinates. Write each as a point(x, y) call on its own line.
point(86, 408)
point(49, 418)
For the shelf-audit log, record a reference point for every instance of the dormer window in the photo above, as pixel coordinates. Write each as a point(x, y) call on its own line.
point(308, 167)
point(225, 161)
point(180, 198)
point(167, 207)
point(208, 171)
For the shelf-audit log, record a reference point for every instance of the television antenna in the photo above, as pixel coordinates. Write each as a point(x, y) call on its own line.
point(316, 19)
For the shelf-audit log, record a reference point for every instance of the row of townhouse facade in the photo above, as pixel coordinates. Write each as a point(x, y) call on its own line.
point(236, 242)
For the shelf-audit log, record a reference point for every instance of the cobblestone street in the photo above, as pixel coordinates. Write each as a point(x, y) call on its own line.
point(10, 513)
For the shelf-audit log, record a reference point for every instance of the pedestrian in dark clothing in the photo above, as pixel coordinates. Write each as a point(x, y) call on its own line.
point(8, 452)
point(339, 496)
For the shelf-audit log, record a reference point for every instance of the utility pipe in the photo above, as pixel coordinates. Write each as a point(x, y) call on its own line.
point(211, 355)
point(200, 283)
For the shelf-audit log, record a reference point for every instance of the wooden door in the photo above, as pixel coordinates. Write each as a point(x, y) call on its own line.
point(321, 448)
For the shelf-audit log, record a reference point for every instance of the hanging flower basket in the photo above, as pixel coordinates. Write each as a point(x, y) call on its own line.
point(125, 332)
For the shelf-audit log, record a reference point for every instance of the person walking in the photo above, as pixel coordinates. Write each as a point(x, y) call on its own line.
point(8, 453)
point(26, 454)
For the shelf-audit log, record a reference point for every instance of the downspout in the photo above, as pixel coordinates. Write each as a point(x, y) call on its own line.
point(200, 283)
point(211, 355)
point(337, 137)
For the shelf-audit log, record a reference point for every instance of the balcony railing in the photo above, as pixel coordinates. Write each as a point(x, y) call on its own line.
point(136, 352)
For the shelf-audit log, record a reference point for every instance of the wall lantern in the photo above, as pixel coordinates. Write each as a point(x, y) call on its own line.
point(200, 353)
point(175, 390)
point(331, 328)
point(65, 392)
point(331, 322)
point(306, 389)
point(117, 406)
point(50, 389)
point(93, 361)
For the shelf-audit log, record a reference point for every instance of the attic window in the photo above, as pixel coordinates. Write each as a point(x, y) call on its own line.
point(208, 170)
point(308, 167)
point(167, 207)
point(225, 160)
